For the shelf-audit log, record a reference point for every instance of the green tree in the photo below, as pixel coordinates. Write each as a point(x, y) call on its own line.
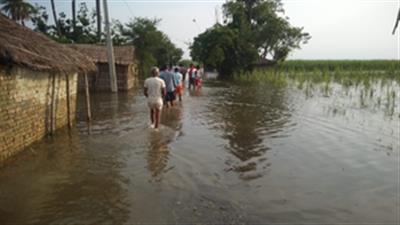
point(39, 19)
point(224, 49)
point(257, 30)
point(17, 10)
point(116, 35)
point(152, 46)
point(83, 30)
point(271, 33)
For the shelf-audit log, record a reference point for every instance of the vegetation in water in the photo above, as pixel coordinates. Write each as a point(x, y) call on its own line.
point(374, 84)
point(346, 72)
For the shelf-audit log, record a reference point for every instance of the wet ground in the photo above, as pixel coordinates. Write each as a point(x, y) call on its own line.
point(228, 154)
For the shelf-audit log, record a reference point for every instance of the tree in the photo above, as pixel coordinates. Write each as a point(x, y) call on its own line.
point(271, 33)
point(153, 47)
point(83, 31)
point(224, 49)
point(39, 19)
point(17, 10)
point(275, 37)
point(116, 35)
point(257, 30)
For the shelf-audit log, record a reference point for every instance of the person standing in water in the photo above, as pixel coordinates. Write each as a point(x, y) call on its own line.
point(154, 90)
point(192, 76)
point(183, 71)
point(199, 77)
point(170, 85)
point(179, 83)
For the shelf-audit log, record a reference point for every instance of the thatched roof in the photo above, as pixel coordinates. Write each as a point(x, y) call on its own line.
point(123, 55)
point(21, 46)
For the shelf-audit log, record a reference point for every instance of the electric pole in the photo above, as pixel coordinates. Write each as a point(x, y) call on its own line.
point(98, 13)
point(110, 50)
point(74, 17)
point(396, 22)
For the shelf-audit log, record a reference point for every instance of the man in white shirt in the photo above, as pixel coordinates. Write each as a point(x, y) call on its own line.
point(154, 90)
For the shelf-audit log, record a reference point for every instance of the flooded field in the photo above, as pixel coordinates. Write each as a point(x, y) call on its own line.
point(303, 152)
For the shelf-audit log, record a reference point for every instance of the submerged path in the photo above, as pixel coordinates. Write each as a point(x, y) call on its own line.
point(227, 154)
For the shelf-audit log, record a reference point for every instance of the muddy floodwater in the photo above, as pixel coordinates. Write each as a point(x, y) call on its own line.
point(228, 154)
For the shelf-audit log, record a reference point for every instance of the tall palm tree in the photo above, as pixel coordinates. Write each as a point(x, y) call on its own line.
point(53, 8)
point(17, 10)
point(397, 22)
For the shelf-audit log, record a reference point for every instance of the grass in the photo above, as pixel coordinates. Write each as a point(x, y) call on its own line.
point(261, 76)
point(344, 65)
point(345, 72)
point(376, 82)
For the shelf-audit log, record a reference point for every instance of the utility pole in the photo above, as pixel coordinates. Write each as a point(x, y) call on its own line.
point(55, 18)
point(110, 51)
point(98, 13)
point(396, 23)
point(74, 17)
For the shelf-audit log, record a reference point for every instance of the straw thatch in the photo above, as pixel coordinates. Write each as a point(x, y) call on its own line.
point(21, 46)
point(123, 55)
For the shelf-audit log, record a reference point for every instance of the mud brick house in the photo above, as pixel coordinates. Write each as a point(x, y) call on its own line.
point(38, 86)
point(126, 67)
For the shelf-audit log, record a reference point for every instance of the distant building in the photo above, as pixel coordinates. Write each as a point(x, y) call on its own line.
point(38, 86)
point(126, 66)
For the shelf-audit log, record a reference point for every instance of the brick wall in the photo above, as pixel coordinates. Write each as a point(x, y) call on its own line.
point(26, 106)
point(100, 80)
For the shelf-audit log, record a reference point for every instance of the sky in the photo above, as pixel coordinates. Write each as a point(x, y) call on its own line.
point(340, 29)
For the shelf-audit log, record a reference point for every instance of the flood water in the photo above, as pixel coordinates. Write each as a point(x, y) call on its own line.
point(228, 154)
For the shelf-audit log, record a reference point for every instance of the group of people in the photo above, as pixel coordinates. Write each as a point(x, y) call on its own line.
point(164, 86)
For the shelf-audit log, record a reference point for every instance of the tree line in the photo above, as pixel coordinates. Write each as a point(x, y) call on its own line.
point(253, 31)
point(152, 46)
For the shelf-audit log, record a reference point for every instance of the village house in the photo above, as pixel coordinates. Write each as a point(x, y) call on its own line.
point(38, 86)
point(125, 66)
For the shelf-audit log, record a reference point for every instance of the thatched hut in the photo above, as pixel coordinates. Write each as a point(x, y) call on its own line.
point(38, 86)
point(125, 65)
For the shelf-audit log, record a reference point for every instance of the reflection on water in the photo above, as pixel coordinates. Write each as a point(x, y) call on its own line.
point(157, 158)
point(307, 152)
point(247, 118)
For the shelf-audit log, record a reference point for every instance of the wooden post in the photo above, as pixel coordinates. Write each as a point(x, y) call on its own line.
point(68, 101)
point(110, 50)
point(53, 107)
point(89, 114)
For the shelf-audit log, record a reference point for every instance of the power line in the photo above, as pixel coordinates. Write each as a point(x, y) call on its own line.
point(129, 9)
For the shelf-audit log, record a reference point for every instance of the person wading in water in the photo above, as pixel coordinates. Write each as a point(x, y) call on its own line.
point(154, 90)
point(170, 84)
point(192, 76)
point(179, 83)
